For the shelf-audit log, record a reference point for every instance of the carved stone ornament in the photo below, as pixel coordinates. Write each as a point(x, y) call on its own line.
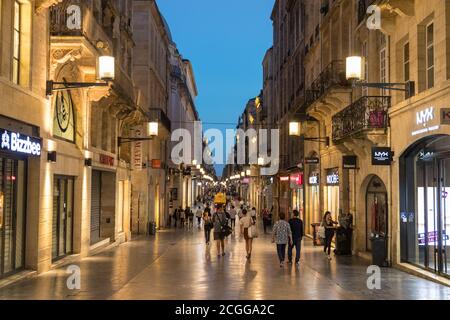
point(45, 4)
point(62, 56)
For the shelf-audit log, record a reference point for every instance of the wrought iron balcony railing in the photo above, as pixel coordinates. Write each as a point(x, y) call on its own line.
point(332, 76)
point(365, 114)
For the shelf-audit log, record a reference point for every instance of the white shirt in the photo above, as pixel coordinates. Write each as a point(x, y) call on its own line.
point(233, 213)
point(246, 222)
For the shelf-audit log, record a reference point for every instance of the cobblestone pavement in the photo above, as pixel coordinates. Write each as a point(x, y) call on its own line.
point(178, 265)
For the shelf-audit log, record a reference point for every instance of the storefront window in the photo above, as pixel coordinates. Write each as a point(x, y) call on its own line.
point(425, 214)
point(331, 193)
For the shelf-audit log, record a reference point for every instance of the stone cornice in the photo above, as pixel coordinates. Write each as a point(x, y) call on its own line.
point(45, 4)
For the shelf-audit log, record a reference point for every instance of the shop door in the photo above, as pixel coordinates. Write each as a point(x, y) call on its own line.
point(376, 211)
point(434, 215)
point(12, 215)
point(95, 206)
point(62, 231)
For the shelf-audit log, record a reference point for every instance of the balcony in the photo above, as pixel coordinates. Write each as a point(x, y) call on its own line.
point(365, 115)
point(332, 76)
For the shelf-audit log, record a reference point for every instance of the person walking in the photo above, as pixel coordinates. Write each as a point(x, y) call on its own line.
point(220, 220)
point(246, 223)
point(296, 225)
point(182, 217)
point(282, 236)
point(175, 217)
point(330, 228)
point(253, 214)
point(233, 217)
point(199, 214)
point(207, 225)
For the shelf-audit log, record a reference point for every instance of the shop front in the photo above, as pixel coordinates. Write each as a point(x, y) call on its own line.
point(297, 193)
point(425, 204)
point(312, 215)
point(15, 150)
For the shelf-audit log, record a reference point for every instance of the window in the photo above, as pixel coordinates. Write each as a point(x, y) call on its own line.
point(430, 55)
point(406, 73)
point(383, 71)
point(16, 43)
point(21, 42)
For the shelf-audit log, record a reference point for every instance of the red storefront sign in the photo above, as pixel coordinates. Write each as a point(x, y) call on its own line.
point(107, 160)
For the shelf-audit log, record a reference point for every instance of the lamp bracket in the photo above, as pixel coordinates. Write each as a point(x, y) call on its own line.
point(53, 86)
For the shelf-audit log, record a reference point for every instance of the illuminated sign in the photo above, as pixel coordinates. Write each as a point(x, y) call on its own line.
point(314, 180)
point(20, 143)
point(312, 160)
point(382, 156)
point(333, 177)
point(296, 181)
point(423, 119)
point(284, 179)
point(106, 160)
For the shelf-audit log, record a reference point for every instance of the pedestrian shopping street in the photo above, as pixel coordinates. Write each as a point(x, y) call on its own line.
point(175, 265)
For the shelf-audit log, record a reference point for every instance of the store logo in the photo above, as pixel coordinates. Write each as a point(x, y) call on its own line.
point(333, 179)
point(374, 20)
point(425, 116)
point(314, 180)
point(12, 141)
point(73, 17)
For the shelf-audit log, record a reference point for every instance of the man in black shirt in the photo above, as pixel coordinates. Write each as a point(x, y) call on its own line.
point(297, 236)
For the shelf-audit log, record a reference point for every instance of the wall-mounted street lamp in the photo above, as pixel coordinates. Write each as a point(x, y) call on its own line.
point(106, 73)
point(248, 172)
point(261, 161)
point(354, 70)
point(296, 131)
point(152, 132)
point(243, 174)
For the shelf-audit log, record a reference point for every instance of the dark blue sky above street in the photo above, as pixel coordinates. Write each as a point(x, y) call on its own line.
point(226, 42)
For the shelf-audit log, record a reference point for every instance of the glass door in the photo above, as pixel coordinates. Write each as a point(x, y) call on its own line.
point(444, 221)
point(62, 239)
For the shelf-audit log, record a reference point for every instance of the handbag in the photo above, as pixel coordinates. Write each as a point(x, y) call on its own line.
point(253, 232)
point(225, 229)
point(321, 232)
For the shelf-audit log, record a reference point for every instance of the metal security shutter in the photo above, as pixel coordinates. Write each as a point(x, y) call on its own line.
point(95, 206)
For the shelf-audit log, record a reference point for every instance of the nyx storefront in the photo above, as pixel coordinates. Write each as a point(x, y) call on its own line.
point(424, 171)
point(18, 143)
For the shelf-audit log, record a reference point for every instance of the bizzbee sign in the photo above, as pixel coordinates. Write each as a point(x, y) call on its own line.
point(20, 144)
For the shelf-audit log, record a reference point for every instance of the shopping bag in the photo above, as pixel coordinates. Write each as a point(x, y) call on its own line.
point(253, 232)
point(321, 232)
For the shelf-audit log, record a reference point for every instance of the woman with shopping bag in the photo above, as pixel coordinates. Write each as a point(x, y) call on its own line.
point(248, 229)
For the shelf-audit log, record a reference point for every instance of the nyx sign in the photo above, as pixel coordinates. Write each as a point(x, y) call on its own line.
point(382, 156)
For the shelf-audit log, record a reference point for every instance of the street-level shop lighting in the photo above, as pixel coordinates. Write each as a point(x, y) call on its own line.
point(248, 172)
point(243, 174)
point(199, 167)
point(194, 162)
point(356, 73)
point(106, 73)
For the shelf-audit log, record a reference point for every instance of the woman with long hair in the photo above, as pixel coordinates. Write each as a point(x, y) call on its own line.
point(246, 223)
point(329, 225)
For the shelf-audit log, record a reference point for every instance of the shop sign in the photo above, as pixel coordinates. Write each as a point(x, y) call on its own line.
point(296, 181)
point(19, 143)
point(107, 160)
point(382, 156)
point(156, 164)
point(432, 237)
point(423, 119)
point(312, 160)
point(445, 116)
point(284, 179)
point(314, 180)
point(333, 177)
point(349, 162)
point(137, 152)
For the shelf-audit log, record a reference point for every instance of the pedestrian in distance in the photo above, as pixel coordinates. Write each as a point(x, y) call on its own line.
point(246, 224)
point(329, 225)
point(233, 217)
point(175, 217)
point(182, 217)
point(253, 214)
point(282, 236)
point(220, 222)
point(199, 214)
point(207, 225)
point(297, 228)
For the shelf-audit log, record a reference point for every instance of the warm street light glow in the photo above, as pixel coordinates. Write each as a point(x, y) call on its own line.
point(243, 174)
point(199, 167)
point(106, 68)
point(152, 129)
point(353, 68)
point(248, 172)
point(194, 162)
point(294, 128)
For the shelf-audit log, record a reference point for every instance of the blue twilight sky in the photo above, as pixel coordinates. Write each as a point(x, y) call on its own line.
point(226, 42)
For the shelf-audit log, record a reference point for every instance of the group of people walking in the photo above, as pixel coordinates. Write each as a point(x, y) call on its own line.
point(221, 221)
